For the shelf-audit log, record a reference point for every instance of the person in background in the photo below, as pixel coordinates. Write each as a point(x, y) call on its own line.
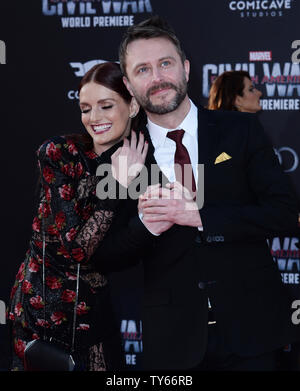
point(74, 221)
point(234, 90)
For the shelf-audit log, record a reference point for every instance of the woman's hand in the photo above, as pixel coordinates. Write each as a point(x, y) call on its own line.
point(128, 160)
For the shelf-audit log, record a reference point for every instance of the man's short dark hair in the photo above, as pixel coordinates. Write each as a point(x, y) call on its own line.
point(154, 27)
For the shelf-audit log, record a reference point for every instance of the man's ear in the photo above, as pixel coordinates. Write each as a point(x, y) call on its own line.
point(186, 66)
point(133, 108)
point(127, 84)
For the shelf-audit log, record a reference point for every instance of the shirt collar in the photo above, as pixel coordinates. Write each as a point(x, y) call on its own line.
point(158, 134)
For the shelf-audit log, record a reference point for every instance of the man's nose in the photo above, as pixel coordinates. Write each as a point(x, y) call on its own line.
point(156, 75)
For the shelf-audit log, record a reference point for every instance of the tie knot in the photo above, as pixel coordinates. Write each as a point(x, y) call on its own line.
point(176, 135)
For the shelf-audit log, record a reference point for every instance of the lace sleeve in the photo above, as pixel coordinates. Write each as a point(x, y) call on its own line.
point(93, 231)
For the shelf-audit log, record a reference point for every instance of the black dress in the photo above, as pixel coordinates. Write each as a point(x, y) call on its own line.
point(74, 221)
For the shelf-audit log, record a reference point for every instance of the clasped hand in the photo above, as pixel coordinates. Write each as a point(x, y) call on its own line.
point(164, 206)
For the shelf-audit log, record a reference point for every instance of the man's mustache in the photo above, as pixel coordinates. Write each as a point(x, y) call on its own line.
point(159, 87)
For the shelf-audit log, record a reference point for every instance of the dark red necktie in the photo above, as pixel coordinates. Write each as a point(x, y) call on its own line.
point(182, 159)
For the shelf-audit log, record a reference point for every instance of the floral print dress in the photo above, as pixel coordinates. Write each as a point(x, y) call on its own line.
point(74, 221)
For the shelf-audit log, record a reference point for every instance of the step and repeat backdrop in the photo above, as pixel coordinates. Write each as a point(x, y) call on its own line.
point(46, 46)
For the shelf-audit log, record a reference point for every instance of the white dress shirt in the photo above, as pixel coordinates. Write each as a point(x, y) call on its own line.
point(164, 147)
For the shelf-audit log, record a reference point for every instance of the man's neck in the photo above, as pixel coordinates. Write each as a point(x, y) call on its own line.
point(173, 119)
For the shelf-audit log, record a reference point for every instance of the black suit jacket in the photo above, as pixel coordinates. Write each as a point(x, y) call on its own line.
point(247, 199)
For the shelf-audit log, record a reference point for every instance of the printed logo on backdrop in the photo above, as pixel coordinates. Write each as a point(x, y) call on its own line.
point(95, 13)
point(260, 8)
point(287, 257)
point(131, 331)
point(279, 81)
point(79, 70)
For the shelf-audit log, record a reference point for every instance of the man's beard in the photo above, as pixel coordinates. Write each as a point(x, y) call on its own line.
point(165, 107)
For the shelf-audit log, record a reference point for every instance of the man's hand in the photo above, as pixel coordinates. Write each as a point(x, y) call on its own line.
point(157, 227)
point(128, 160)
point(172, 204)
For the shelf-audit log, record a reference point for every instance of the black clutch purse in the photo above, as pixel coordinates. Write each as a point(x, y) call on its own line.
point(45, 354)
point(42, 355)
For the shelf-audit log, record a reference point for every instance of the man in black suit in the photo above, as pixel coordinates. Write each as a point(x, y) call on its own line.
point(213, 297)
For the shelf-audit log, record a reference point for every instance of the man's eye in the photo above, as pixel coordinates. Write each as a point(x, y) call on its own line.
point(107, 107)
point(84, 111)
point(165, 63)
point(142, 70)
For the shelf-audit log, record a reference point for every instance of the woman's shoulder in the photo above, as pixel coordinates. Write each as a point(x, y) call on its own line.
point(58, 148)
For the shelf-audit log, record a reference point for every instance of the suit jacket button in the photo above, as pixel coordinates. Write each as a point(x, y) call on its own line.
point(198, 238)
point(201, 285)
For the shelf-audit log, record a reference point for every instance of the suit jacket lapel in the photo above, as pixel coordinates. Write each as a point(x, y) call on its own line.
point(208, 139)
point(150, 160)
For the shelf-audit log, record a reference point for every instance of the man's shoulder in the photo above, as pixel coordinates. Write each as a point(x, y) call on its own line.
point(226, 115)
point(58, 149)
point(227, 121)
